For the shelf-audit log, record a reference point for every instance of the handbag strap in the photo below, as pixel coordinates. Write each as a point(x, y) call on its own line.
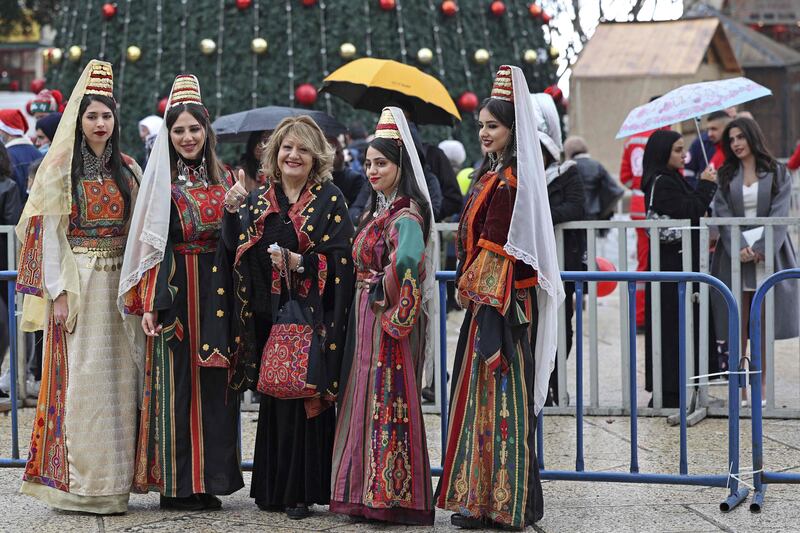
point(652, 193)
point(285, 275)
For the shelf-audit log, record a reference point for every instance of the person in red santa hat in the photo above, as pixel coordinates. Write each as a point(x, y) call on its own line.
point(21, 150)
point(45, 102)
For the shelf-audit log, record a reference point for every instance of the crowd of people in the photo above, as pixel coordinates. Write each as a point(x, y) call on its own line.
point(307, 273)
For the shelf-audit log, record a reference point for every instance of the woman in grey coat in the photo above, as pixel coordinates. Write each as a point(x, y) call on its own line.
point(752, 183)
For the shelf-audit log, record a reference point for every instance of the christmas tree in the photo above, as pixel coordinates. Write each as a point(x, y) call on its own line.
point(252, 53)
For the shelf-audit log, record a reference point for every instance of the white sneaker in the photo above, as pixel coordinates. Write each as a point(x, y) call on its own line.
point(32, 387)
point(5, 381)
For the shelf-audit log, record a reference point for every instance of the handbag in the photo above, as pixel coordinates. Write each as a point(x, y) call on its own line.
point(290, 360)
point(665, 235)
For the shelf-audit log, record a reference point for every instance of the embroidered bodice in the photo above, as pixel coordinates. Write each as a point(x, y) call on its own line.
point(98, 210)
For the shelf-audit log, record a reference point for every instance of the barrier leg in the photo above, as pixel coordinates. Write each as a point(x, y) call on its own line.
point(12, 338)
point(755, 402)
point(632, 376)
point(579, 463)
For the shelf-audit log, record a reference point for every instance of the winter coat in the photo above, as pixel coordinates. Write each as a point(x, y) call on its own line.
point(730, 203)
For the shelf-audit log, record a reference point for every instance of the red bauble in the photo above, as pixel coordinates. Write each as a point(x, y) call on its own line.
point(109, 10)
point(161, 108)
point(468, 102)
point(387, 5)
point(449, 8)
point(779, 29)
point(545, 18)
point(308, 3)
point(13, 85)
point(497, 8)
point(534, 10)
point(37, 85)
point(241, 5)
point(305, 94)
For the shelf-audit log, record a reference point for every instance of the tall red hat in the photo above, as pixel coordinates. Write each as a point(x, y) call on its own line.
point(502, 88)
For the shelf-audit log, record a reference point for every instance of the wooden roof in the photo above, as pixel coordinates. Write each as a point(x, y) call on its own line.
point(669, 48)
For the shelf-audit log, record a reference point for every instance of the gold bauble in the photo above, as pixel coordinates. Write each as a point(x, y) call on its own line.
point(554, 53)
point(133, 53)
point(425, 56)
point(481, 56)
point(74, 53)
point(259, 45)
point(347, 51)
point(530, 56)
point(55, 55)
point(208, 46)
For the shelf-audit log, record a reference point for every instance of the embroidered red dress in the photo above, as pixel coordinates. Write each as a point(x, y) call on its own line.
point(490, 468)
point(188, 429)
point(380, 456)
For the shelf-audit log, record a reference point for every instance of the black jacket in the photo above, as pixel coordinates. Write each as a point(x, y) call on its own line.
point(351, 183)
point(452, 200)
point(565, 194)
point(10, 209)
point(600, 190)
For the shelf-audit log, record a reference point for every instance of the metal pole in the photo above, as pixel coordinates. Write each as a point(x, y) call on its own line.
point(700, 138)
point(684, 462)
point(632, 375)
point(579, 462)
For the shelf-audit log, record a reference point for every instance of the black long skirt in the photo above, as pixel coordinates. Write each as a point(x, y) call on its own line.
point(293, 454)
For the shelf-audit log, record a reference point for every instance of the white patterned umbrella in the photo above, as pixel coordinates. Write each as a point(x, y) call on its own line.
point(691, 102)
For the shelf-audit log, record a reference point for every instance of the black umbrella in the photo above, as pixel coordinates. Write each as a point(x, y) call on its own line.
point(238, 126)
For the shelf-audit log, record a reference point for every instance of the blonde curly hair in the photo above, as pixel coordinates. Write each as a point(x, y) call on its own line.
point(307, 133)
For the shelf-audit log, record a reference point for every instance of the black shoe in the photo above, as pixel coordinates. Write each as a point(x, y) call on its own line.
point(466, 522)
point(298, 512)
point(188, 503)
point(211, 502)
point(428, 394)
point(271, 508)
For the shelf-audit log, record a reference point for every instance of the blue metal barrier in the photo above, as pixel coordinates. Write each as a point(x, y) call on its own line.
point(580, 474)
point(10, 276)
point(762, 477)
point(735, 495)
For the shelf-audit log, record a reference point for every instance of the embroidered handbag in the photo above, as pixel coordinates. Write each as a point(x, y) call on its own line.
point(290, 359)
point(665, 235)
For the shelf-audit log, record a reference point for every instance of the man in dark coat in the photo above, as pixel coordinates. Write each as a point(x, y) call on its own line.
point(21, 150)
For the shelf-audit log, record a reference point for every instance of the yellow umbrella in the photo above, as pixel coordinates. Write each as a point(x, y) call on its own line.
point(371, 84)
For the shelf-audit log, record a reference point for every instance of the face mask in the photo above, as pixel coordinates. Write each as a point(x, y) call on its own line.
point(44, 148)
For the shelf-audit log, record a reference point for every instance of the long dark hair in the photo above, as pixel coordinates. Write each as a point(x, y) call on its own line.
point(503, 111)
point(215, 168)
point(248, 161)
point(398, 155)
point(120, 171)
point(5, 163)
point(657, 152)
point(765, 163)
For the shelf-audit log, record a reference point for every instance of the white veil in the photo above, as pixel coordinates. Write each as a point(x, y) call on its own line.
point(430, 301)
point(531, 237)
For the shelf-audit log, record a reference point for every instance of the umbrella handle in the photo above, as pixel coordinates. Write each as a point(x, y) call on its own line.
point(700, 138)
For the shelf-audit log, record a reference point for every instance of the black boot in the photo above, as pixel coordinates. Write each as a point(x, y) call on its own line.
point(466, 522)
point(187, 503)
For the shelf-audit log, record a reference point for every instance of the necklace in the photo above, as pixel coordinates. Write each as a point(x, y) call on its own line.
point(384, 202)
point(96, 167)
point(185, 172)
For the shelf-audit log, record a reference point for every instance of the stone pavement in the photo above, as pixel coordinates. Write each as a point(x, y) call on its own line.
point(569, 506)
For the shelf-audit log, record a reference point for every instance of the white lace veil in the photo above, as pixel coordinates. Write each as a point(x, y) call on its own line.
point(531, 237)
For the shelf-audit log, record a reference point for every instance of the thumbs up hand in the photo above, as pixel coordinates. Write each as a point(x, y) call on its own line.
point(236, 194)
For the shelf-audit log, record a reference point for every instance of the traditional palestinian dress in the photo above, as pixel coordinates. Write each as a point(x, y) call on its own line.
point(294, 438)
point(189, 425)
point(381, 469)
point(490, 468)
point(83, 441)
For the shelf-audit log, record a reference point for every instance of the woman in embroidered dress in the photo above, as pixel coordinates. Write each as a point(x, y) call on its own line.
point(305, 214)
point(73, 233)
point(372, 477)
point(187, 448)
point(508, 281)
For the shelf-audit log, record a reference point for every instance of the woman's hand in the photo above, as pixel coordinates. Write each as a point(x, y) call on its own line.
point(150, 324)
point(236, 194)
point(61, 309)
point(276, 255)
point(709, 174)
point(746, 255)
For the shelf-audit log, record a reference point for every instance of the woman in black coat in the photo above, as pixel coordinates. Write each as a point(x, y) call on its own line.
point(672, 196)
